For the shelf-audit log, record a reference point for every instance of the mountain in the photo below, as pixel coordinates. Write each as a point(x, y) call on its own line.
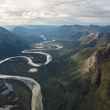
point(89, 39)
point(94, 65)
point(34, 33)
point(10, 43)
point(64, 32)
point(50, 32)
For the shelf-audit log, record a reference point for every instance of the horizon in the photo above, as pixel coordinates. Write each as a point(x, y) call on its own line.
point(59, 25)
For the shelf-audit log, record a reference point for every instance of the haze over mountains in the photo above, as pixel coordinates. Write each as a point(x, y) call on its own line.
point(66, 32)
point(19, 37)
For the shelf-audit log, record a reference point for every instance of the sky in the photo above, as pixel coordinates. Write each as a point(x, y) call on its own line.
point(54, 12)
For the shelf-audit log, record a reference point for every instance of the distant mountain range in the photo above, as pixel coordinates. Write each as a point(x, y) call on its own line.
point(15, 38)
point(66, 32)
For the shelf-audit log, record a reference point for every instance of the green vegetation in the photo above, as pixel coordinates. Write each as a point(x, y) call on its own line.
point(98, 97)
point(64, 81)
point(103, 91)
point(83, 54)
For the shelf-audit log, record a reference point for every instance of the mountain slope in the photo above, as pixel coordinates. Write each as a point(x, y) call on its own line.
point(10, 43)
point(97, 74)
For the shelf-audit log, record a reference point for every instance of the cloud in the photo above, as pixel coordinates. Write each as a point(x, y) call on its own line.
point(54, 12)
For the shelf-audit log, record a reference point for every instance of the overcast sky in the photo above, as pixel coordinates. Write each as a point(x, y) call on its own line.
point(47, 12)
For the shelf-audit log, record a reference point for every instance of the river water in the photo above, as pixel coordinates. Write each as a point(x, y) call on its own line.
point(34, 86)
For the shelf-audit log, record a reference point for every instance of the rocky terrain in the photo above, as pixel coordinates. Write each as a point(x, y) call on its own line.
point(96, 68)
